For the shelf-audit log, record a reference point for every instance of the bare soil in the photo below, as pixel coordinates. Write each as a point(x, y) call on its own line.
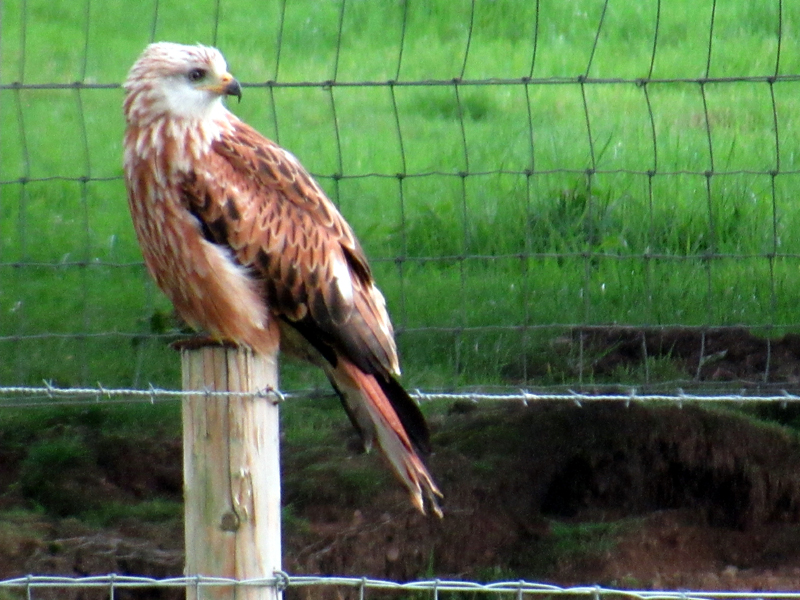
point(657, 497)
point(709, 355)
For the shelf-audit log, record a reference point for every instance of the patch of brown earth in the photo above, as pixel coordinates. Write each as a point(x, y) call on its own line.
point(713, 354)
point(701, 496)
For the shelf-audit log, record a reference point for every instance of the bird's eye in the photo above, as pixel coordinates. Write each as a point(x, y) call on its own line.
point(196, 74)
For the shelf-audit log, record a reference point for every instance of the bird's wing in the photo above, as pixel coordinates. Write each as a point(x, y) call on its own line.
point(256, 198)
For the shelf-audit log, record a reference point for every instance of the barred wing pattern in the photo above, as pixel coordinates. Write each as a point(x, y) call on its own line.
point(255, 198)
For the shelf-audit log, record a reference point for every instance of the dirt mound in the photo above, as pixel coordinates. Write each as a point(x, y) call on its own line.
point(676, 549)
point(714, 354)
point(631, 496)
point(555, 492)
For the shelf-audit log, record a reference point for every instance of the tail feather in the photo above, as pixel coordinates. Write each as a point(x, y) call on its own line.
point(373, 411)
point(409, 414)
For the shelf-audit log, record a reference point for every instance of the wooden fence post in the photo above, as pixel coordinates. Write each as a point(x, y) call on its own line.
point(231, 470)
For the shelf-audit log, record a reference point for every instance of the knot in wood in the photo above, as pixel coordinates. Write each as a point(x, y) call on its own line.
point(229, 522)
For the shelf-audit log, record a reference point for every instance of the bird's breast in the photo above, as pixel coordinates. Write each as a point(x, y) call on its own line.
point(204, 281)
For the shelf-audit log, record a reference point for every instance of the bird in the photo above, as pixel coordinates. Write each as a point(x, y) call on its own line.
point(250, 250)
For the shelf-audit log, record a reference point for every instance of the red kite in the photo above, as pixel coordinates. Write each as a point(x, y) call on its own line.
point(245, 244)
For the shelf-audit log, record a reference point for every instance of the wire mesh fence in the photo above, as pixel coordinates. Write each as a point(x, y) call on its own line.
point(586, 202)
point(346, 587)
point(516, 172)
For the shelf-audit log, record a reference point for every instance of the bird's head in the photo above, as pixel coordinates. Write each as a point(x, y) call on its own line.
point(178, 81)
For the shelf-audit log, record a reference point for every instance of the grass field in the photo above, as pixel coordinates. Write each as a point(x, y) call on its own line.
point(494, 239)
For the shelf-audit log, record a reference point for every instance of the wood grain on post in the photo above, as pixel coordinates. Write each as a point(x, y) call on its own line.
point(231, 470)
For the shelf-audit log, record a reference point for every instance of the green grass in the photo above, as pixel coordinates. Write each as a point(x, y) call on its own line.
point(573, 540)
point(500, 249)
point(568, 545)
point(149, 511)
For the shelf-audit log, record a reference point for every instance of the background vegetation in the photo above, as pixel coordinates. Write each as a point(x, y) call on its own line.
point(520, 210)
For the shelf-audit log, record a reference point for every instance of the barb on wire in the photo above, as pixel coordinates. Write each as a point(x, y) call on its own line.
point(575, 399)
point(276, 396)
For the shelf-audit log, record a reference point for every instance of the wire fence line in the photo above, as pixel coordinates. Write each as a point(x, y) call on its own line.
point(455, 81)
point(49, 395)
point(757, 275)
point(363, 585)
point(478, 328)
point(579, 213)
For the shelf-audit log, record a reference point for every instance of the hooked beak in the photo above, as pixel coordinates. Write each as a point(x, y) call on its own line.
point(229, 86)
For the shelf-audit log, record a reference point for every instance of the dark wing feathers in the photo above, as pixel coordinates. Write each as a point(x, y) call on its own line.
point(269, 211)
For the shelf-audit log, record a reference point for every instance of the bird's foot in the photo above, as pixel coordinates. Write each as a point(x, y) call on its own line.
point(202, 341)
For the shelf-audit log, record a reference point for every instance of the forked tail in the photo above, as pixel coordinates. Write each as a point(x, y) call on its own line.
point(387, 415)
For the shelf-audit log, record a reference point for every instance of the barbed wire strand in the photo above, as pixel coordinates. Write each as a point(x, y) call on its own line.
point(50, 395)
